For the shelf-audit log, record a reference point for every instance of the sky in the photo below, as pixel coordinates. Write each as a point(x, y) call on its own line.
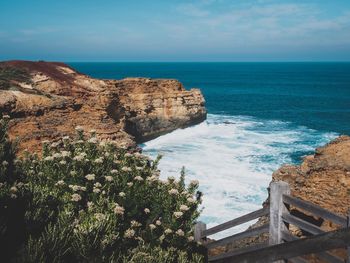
point(170, 30)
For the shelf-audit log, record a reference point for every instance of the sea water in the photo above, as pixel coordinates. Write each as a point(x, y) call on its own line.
point(260, 116)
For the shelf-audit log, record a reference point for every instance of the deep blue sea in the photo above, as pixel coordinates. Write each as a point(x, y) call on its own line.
point(261, 115)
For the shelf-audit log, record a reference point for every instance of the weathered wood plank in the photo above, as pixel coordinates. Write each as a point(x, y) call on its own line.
point(238, 251)
point(315, 244)
point(315, 210)
point(248, 233)
point(308, 227)
point(297, 260)
point(277, 208)
point(329, 257)
point(199, 228)
point(323, 255)
point(348, 226)
point(235, 222)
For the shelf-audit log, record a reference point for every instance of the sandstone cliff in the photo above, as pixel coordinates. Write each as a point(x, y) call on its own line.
point(47, 100)
point(322, 178)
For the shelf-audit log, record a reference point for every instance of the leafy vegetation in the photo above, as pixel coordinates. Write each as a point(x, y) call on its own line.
point(89, 201)
point(10, 75)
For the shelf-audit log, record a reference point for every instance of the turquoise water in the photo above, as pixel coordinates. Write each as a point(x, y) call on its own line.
point(261, 115)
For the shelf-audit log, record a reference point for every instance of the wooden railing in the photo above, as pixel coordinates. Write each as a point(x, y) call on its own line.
point(282, 246)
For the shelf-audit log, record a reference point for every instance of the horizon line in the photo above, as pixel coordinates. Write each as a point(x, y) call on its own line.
point(184, 61)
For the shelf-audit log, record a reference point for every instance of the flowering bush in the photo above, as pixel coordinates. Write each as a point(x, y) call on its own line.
point(85, 200)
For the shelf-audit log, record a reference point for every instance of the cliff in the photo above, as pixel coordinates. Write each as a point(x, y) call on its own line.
point(322, 178)
point(47, 100)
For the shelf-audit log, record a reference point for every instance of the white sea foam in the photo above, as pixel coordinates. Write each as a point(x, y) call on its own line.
point(233, 158)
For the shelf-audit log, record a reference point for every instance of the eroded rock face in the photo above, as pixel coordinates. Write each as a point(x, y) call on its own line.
point(322, 178)
point(47, 100)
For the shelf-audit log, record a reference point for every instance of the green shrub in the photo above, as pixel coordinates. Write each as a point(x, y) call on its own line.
point(89, 201)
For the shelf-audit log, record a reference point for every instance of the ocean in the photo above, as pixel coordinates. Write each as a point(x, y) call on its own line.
point(260, 116)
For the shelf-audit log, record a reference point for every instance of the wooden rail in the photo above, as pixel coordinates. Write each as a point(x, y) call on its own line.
point(282, 245)
point(235, 222)
point(326, 241)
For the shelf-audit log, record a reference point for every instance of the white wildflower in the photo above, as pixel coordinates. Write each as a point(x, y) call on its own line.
point(134, 223)
point(97, 184)
point(63, 162)
point(173, 191)
point(54, 144)
point(168, 231)
point(59, 183)
point(96, 190)
point(13, 196)
point(114, 171)
point(178, 214)
point(138, 178)
point(13, 189)
point(128, 155)
point(126, 169)
point(90, 177)
point(184, 208)
point(48, 158)
point(190, 238)
point(180, 232)
point(99, 160)
point(191, 200)
point(57, 155)
point(119, 210)
point(130, 184)
point(100, 216)
point(78, 158)
point(65, 153)
point(93, 140)
point(171, 178)
point(152, 226)
point(139, 168)
point(65, 138)
point(73, 173)
point(109, 178)
point(122, 194)
point(194, 182)
point(147, 211)
point(5, 163)
point(129, 233)
point(158, 222)
point(76, 197)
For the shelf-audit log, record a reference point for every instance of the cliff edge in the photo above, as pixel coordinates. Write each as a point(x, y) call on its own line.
point(322, 178)
point(47, 100)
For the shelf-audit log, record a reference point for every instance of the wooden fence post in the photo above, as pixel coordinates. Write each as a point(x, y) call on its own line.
point(277, 208)
point(199, 228)
point(348, 249)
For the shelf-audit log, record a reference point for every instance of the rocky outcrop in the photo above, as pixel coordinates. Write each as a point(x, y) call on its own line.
point(47, 100)
point(322, 178)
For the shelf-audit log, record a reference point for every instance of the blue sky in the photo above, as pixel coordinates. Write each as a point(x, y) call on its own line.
point(164, 30)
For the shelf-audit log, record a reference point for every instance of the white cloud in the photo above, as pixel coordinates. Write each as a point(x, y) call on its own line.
point(283, 24)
